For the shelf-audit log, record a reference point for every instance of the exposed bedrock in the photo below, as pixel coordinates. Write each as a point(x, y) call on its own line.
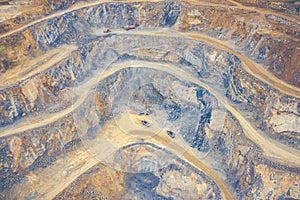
point(265, 39)
point(264, 106)
point(55, 94)
point(229, 150)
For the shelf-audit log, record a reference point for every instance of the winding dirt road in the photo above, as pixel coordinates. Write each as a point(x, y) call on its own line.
point(271, 148)
point(40, 64)
point(251, 67)
point(127, 129)
point(262, 11)
point(82, 161)
point(86, 5)
point(46, 183)
point(53, 180)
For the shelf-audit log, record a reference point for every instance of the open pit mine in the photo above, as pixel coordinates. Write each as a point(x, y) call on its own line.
point(163, 100)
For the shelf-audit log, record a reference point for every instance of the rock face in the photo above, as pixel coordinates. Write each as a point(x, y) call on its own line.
point(291, 7)
point(199, 101)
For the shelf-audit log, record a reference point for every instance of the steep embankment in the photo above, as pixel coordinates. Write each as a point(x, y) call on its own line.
point(61, 67)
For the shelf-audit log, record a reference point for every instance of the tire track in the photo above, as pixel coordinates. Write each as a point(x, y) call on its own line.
point(80, 6)
point(251, 67)
point(270, 148)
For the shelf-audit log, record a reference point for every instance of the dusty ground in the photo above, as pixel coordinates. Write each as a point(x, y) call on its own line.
point(222, 76)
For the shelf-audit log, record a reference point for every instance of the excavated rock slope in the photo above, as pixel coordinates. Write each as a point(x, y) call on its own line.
point(222, 76)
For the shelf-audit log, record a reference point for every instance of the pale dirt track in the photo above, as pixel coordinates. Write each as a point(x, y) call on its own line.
point(81, 162)
point(262, 11)
point(50, 181)
point(128, 128)
point(113, 137)
point(271, 149)
point(86, 5)
point(251, 67)
point(42, 63)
